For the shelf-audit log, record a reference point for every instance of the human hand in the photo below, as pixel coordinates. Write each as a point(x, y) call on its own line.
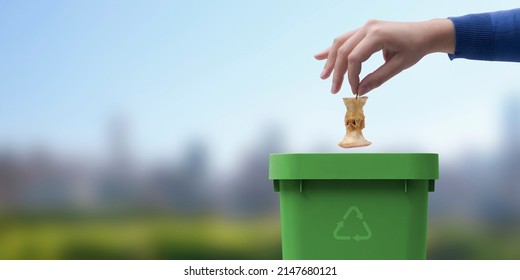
point(403, 45)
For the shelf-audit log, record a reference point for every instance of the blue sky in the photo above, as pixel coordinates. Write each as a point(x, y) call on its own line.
point(223, 71)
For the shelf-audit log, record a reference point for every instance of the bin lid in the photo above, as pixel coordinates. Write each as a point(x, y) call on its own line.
point(410, 166)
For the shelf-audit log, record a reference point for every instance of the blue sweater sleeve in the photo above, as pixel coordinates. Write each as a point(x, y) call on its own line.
point(488, 36)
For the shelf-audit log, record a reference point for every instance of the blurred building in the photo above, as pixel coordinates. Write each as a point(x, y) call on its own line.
point(252, 191)
point(183, 187)
point(485, 187)
point(10, 179)
point(508, 205)
point(118, 184)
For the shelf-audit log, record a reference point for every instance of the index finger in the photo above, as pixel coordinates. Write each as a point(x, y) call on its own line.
point(341, 64)
point(360, 54)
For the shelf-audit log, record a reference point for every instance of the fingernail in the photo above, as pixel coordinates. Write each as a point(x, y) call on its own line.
point(363, 89)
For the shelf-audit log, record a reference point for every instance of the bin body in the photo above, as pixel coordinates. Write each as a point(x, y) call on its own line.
point(354, 206)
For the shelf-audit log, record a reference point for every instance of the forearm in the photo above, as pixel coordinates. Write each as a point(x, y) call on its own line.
point(488, 36)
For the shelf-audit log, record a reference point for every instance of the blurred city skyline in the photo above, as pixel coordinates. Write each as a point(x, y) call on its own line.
point(185, 183)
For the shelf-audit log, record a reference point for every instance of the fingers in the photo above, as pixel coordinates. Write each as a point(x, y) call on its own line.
point(341, 64)
point(382, 74)
point(360, 54)
point(323, 54)
point(331, 58)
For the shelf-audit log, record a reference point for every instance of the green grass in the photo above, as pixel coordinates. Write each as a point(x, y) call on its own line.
point(452, 240)
point(139, 238)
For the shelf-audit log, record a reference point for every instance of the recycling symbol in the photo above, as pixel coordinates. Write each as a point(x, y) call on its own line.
point(353, 210)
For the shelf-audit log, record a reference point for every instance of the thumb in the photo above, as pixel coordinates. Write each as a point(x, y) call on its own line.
point(382, 74)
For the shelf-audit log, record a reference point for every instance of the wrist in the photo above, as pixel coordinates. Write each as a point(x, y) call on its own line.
point(440, 36)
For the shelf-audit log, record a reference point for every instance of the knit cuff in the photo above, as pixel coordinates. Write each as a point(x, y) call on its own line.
point(474, 37)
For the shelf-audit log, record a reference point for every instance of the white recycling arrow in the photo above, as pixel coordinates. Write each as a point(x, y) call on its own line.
point(341, 224)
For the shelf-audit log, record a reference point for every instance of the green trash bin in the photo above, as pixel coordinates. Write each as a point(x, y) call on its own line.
point(354, 206)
